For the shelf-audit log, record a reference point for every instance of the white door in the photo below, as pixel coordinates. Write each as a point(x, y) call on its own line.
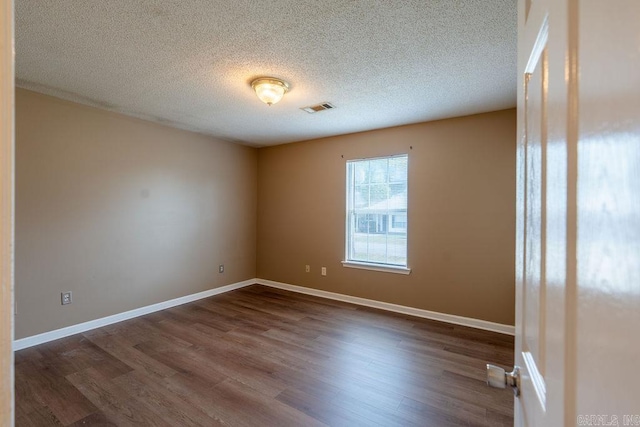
point(541, 216)
point(607, 196)
point(578, 213)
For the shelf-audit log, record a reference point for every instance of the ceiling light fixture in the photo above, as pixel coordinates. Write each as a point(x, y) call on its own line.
point(269, 89)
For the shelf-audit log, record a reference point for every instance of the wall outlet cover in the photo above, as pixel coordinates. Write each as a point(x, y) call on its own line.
point(66, 298)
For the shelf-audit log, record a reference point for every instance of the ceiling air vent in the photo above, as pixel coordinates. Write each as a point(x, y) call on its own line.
point(320, 107)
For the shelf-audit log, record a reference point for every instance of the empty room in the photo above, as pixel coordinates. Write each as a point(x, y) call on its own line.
point(330, 213)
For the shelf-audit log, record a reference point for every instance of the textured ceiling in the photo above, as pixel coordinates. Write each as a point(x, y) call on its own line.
point(189, 63)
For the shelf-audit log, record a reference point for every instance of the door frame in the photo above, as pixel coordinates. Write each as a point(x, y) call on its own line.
point(7, 188)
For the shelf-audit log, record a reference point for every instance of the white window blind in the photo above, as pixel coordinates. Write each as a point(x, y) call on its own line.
point(377, 211)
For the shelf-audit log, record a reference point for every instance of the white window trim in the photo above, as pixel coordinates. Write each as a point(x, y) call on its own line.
point(386, 268)
point(363, 265)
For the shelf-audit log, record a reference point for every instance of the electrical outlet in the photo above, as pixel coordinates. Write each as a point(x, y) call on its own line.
point(324, 271)
point(307, 268)
point(65, 298)
point(221, 268)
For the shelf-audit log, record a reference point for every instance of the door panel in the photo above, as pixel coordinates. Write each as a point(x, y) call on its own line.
point(541, 248)
point(531, 356)
point(533, 302)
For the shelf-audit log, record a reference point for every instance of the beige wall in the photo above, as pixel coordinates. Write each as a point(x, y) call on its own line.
point(461, 215)
point(126, 213)
point(122, 212)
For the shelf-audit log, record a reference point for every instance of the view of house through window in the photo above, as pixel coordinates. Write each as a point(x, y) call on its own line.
point(377, 211)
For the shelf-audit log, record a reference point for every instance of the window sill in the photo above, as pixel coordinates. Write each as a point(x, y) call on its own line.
point(377, 267)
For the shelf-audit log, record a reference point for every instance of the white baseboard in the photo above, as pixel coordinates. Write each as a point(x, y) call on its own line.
point(104, 321)
point(433, 315)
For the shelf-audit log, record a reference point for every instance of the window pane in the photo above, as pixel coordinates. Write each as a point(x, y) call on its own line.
point(398, 169)
point(379, 197)
point(377, 211)
point(361, 172)
point(398, 189)
point(378, 170)
point(361, 199)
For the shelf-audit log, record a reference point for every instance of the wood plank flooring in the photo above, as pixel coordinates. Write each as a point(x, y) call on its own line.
point(259, 356)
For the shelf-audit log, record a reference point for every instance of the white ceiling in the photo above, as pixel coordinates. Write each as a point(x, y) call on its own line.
point(189, 63)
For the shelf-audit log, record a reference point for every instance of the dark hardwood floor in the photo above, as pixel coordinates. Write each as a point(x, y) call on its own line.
point(264, 357)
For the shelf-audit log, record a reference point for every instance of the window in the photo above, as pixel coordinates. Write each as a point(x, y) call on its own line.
point(399, 222)
point(377, 212)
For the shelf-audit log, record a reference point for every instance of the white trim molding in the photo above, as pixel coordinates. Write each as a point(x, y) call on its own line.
point(377, 267)
point(7, 211)
point(104, 321)
point(426, 314)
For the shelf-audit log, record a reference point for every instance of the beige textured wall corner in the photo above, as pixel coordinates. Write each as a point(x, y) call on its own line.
point(122, 212)
point(461, 215)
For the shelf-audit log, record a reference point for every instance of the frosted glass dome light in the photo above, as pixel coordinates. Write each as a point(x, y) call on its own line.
point(270, 90)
